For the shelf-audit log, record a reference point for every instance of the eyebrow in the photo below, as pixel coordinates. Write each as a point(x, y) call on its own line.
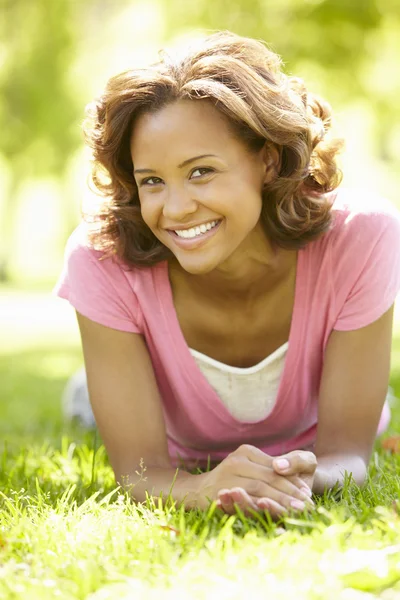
point(183, 164)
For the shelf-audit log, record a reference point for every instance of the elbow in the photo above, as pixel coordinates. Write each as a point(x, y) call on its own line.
point(337, 469)
point(359, 469)
point(360, 478)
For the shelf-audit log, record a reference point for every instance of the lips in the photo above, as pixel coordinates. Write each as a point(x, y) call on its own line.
point(198, 231)
point(188, 227)
point(197, 240)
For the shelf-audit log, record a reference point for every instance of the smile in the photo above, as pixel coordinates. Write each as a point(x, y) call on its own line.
point(195, 236)
point(196, 231)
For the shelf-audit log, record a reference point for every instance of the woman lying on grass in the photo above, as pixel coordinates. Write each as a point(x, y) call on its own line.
point(235, 307)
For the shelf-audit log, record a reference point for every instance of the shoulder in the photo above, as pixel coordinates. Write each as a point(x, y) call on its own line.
point(365, 233)
point(86, 265)
point(102, 288)
point(79, 252)
point(78, 245)
point(359, 216)
point(364, 257)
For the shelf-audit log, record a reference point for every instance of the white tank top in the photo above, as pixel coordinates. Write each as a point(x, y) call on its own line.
point(249, 394)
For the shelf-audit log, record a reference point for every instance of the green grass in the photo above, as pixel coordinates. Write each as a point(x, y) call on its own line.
point(66, 531)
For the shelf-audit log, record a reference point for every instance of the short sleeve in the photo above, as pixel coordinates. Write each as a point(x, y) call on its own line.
point(98, 289)
point(367, 265)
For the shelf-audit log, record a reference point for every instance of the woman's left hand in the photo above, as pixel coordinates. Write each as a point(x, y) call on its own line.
point(302, 463)
point(298, 462)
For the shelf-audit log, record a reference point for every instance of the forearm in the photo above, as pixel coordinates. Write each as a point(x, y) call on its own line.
point(331, 470)
point(162, 481)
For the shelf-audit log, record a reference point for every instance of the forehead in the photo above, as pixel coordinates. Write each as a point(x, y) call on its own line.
point(182, 126)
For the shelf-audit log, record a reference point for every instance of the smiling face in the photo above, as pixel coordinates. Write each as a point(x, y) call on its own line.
point(199, 185)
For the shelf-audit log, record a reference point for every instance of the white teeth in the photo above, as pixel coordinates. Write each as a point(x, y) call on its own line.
point(195, 231)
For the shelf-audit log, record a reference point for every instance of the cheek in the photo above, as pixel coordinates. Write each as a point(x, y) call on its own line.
point(245, 196)
point(150, 210)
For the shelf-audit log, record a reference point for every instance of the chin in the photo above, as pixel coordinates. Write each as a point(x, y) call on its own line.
point(197, 267)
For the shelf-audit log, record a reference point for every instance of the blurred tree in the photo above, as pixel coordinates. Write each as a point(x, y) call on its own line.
point(37, 108)
point(38, 112)
point(331, 33)
point(351, 46)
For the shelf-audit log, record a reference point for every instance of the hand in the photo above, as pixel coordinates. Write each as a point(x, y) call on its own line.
point(247, 476)
point(299, 462)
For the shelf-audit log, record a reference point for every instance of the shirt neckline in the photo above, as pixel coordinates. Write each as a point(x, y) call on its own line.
point(191, 371)
point(223, 367)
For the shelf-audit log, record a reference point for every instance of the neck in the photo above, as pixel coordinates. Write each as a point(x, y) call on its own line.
point(246, 282)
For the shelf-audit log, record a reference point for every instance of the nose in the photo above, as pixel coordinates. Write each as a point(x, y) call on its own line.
point(178, 204)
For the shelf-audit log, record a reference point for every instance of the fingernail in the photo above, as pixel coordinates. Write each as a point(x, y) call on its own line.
point(282, 463)
point(225, 496)
point(298, 504)
point(306, 490)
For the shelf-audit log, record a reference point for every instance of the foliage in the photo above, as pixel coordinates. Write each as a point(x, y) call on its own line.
point(38, 112)
point(50, 68)
point(332, 33)
point(40, 106)
point(67, 531)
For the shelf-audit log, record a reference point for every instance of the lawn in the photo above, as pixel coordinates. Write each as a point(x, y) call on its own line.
point(66, 532)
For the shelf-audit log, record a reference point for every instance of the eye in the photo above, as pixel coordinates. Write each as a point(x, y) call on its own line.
point(201, 171)
point(150, 181)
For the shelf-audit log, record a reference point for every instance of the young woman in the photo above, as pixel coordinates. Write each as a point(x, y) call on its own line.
point(235, 307)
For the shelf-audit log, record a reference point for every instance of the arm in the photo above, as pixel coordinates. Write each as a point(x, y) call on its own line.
point(352, 393)
point(128, 411)
point(127, 408)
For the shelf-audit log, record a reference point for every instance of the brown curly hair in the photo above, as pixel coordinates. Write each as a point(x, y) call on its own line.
point(244, 80)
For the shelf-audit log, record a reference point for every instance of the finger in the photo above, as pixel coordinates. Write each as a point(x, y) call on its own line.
point(242, 499)
point(300, 483)
point(226, 502)
point(285, 493)
point(237, 496)
point(261, 461)
point(271, 485)
point(296, 506)
point(299, 461)
point(245, 502)
point(254, 454)
point(275, 509)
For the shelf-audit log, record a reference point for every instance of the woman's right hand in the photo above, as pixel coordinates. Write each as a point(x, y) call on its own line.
point(245, 476)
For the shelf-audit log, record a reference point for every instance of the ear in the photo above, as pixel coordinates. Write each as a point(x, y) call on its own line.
point(272, 159)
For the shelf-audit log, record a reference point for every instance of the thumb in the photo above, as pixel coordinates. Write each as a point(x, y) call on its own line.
point(282, 464)
point(299, 461)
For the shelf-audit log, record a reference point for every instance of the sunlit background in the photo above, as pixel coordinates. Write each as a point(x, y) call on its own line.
point(56, 56)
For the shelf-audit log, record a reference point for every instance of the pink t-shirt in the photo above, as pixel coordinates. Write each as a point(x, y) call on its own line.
point(345, 280)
